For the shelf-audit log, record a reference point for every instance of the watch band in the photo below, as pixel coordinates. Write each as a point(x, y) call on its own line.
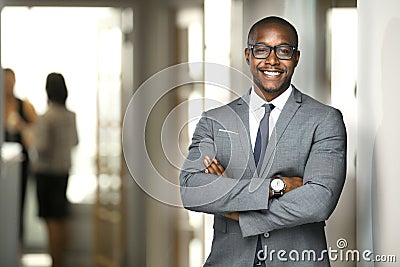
point(277, 193)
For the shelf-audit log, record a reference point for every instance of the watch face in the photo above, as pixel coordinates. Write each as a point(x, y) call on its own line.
point(277, 185)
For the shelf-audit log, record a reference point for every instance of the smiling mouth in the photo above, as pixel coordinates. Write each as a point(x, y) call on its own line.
point(271, 73)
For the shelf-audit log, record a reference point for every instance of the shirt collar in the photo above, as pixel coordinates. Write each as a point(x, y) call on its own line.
point(256, 101)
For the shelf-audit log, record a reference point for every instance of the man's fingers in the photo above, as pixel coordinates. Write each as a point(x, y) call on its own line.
point(206, 161)
point(213, 166)
point(215, 169)
point(221, 169)
point(232, 216)
point(219, 166)
point(207, 164)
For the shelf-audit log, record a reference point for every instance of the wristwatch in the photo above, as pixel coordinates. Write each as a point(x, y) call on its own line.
point(277, 186)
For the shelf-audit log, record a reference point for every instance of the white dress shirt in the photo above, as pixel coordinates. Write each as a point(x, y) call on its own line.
point(256, 112)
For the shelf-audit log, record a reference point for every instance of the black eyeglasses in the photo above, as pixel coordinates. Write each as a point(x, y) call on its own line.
point(262, 51)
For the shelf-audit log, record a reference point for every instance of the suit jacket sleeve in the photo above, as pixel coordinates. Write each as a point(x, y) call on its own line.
point(323, 181)
point(210, 193)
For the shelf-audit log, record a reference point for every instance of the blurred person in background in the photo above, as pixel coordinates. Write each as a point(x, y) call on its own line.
point(55, 136)
point(19, 117)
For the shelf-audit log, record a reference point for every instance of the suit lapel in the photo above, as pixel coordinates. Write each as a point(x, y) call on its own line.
point(242, 109)
point(289, 110)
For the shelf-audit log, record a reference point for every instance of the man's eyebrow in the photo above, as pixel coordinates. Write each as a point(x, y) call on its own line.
point(263, 43)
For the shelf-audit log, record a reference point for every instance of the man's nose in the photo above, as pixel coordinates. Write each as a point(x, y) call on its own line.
point(272, 59)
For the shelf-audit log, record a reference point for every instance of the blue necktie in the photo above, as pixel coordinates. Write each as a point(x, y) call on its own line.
point(259, 152)
point(262, 136)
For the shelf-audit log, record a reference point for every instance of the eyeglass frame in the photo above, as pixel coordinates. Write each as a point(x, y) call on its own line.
point(294, 49)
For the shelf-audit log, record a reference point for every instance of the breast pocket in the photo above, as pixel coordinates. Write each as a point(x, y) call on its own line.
point(227, 134)
point(228, 146)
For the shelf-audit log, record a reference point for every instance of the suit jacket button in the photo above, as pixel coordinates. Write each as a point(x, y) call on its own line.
point(266, 235)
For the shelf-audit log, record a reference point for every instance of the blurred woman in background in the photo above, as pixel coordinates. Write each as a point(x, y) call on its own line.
point(55, 136)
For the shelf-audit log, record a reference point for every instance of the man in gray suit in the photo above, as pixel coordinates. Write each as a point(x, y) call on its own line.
point(270, 166)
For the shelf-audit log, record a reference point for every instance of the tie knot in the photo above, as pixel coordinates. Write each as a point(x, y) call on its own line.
point(268, 107)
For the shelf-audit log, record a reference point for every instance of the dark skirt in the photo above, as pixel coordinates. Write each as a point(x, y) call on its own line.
point(51, 192)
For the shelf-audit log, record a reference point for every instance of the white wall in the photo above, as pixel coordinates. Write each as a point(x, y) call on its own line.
point(378, 195)
point(343, 26)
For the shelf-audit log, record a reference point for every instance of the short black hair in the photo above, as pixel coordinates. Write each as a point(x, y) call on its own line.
point(271, 20)
point(56, 88)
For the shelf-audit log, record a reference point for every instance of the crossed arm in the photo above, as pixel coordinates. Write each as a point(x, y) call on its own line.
point(311, 199)
point(214, 167)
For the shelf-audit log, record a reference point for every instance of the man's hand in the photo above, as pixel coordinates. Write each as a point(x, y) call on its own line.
point(213, 166)
point(292, 183)
point(233, 216)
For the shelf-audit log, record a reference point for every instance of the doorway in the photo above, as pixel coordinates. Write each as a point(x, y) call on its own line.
point(85, 45)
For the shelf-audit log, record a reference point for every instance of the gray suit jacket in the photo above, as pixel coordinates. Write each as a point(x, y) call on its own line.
point(309, 141)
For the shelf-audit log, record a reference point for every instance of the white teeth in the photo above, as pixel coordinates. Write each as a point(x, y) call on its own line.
point(271, 73)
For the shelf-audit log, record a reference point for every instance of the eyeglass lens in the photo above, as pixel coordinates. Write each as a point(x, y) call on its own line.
point(281, 51)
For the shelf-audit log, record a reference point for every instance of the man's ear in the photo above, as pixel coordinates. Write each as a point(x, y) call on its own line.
point(297, 58)
point(247, 55)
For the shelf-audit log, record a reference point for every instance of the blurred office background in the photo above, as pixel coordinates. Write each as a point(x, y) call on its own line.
point(107, 49)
